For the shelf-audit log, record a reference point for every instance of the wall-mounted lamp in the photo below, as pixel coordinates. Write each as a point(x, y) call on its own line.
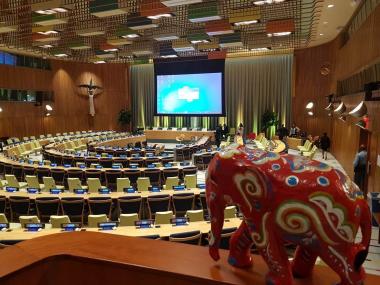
point(310, 105)
point(310, 113)
point(48, 114)
point(359, 111)
point(48, 108)
point(1, 110)
point(340, 109)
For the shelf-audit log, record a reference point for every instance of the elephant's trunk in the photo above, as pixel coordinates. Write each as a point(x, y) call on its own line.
point(216, 205)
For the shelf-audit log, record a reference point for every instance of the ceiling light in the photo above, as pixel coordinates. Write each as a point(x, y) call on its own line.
point(310, 105)
point(340, 109)
point(246, 23)
point(170, 3)
point(281, 34)
point(169, 56)
point(131, 36)
point(199, 41)
point(220, 27)
point(49, 108)
point(90, 32)
point(48, 32)
point(359, 111)
point(321, 34)
point(279, 28)
point(330, 6)
point(168, 37)
point(60, 55)
point(46, 46)
point(99, 61)
point(48, 114)
point(325, 23)
point(262, 2)
point(138, 53)
point(310, 113)
point(1, 109)
point(159, 16)
point(261, 49)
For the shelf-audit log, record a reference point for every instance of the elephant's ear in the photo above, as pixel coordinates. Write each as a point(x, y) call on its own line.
point(359, 259)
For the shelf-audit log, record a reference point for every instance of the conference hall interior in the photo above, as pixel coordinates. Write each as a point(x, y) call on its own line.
point(190, 142)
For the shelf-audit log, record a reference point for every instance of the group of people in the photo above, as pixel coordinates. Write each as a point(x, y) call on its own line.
point(221, 132)
point(283, 132)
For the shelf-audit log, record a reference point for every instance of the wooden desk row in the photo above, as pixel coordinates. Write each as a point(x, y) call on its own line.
point(113, 195)
point(122, 141)
point(173, 134)
point(131, 231)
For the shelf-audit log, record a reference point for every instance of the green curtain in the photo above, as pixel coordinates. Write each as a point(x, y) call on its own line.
point(255, 84)
point(252, 85)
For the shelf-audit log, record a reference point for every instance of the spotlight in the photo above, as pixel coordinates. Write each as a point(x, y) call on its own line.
point(48, 114)
point(48, 108)
point(360, 110)
point(310, 113)
point(340, 109)
point(330, 107)
point(1, 110)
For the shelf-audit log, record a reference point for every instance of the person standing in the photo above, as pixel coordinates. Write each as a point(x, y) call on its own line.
point(325, 145)
point(225, 130)
point(282, 132)
point(360, 167)
point(294, 130)
point(218, 135)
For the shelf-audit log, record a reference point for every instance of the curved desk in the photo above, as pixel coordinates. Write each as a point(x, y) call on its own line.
point(95, 258)
point(172, 135)
point(123, 141)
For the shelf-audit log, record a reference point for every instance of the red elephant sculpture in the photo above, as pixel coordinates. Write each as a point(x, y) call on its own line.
point(287, 198)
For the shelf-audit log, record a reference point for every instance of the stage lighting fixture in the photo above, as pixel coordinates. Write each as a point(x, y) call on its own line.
point(359, 111)
point(340, 109)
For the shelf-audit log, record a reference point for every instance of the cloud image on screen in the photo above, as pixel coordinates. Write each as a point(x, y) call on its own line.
point(189, 93)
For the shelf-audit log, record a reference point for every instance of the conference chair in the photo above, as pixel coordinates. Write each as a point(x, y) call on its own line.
point(57, 221)
point(17, 171)
point(190, 170)
point(49, 184)
point(111, 177)
point(124, 162)
point(94, 185)
point(143, 184)
point(162, 218)
point(67, 160)
point(129, 205)
point(28, 220)
point(170, 172)
point(193, 237)
point(158, 203)
point(94, 220)
point(230, 212)
point(3, 204)
point(154, 176)
point(8, 168)
point(202, 198)
point(310, 154)
point(151, 160)
point(190, 181)
point(195, 215)
point(46, 207)
point(305, 147)
point(128, 220)
point(19, 206)
point(165, 160)
point(132, 174)
point(36, 145)
point(138, 161)
point(94, 173)
point(170, 182)
point(33, 182)
point(13, 182)
point(79, 160)
point(206, 159)
point(182, 203)
point(225, 237)
point(186, 153)
point(3, 219)
point(28, 170)
point(122, 183)
point(100, 205)
point(73, 207)
point(120, 152)
point(75, 183)
point(179, 154)
point(91, 160)
point(106, 162)
point(58, 175)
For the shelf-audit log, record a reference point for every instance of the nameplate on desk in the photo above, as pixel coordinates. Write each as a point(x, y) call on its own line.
point(109, 156)
point(201, 186)
point(4, 226)
point(137, 149)
point(165, 154)
point(154, 189)
point(82, 166)
point(123, 156)
point(185, 163)
point(168, 165)
point(21, 161)
point(34, 227)
point(32, 190)
point(179, 145)
point(151, 166)
point(11, 189)
point(107, 226)
point(30, 161)
point(129, 190)
point(67, 165)
point(98, 155)
point(71, 227)
point(179, 221)
point(149, 155)
point(179, 188)
point(40, 163)
point(104, 191)
point(116, 166)
point(98, 167)
point(55, 191)
point(144, 224)
point(77, 153)
point(133, 166)
point(53, 164)
point(80, 191)
point(135, 155)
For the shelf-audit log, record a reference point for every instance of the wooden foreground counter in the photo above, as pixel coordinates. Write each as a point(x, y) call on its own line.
point(97, 258)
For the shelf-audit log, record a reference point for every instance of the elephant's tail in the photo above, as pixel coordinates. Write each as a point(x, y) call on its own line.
point(366, 230)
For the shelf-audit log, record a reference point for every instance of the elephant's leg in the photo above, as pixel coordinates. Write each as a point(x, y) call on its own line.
point(240, 247)
point(303, 262)
point(342, 267)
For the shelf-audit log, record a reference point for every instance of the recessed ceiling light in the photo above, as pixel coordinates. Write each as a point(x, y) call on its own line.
point(321, 34)
point(330, 6)
point(325, 23)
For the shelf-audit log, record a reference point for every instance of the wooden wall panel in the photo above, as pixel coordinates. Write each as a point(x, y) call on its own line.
point(71, 104)
point(362, 50)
